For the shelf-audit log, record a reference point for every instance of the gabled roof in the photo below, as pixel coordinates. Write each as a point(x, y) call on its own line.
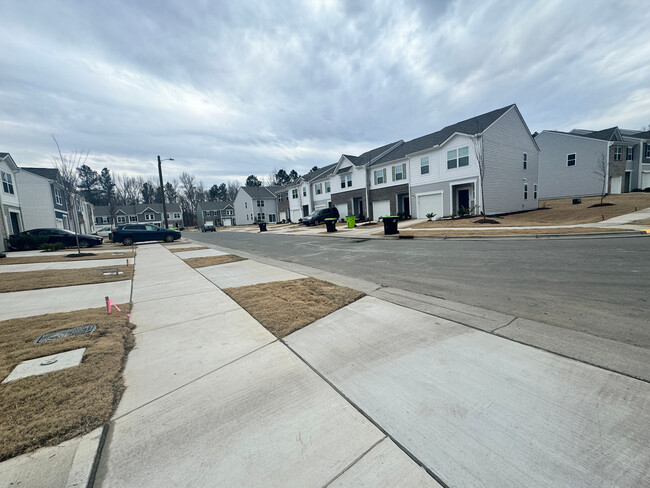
point(6, 157)
point(472, 126)
point(49, 173)
point(218, 205)
point(260, 192)
point(642, 135)
point(611, 134)
point(319, 173)
point(370, 156)
point(137, 208)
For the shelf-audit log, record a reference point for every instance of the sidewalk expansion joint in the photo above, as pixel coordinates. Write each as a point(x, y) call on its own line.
point(194, 380)
point(369, 418)
point(499, 328)
point(363, 454)
point(98, 456)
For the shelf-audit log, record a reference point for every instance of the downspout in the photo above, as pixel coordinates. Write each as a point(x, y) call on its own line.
point(368, 206)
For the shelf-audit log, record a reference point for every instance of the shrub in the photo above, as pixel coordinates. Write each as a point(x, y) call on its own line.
point(53, 246)
point(25, 242)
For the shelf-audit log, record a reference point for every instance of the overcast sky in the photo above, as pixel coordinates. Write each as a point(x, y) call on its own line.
point(235, 88)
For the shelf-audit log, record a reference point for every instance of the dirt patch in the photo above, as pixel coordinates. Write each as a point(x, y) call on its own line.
point(48, 409)
point(56, 258)
point(505, 232)
point(54, 278)
point(286, 306)
point(213, 260)
point(642, 222)
point(559, 212)
point(182, 249)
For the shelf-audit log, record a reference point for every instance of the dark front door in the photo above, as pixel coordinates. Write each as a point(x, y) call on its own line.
point(463, 199)
point(357, 205)
point(404, 206)
point(627, 182)
point(15, 223)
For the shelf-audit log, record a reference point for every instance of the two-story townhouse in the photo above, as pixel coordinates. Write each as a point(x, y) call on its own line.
point(571, 163)
point(219, 213)
point(254, 204)
point(149, 213)
point(11, 222)
point(644, 152)
point(43, 199)
point(635, 154)
point(349, 180)
point(282, 203)
point(320, 187)
point(494, 151)
point(298, 201)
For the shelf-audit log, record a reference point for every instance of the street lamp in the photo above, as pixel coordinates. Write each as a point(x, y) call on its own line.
point(162, 189)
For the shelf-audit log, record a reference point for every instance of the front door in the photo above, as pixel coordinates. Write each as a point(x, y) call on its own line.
point(404, 206)
point(357, 204)
point(463, 198)
point(628, 176)
point(15, 223)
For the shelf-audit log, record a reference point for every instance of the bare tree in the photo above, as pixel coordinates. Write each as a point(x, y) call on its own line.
point(233, 188)
point(601, 172)
point(128, 189)
point(67, 166)
point(480, 161)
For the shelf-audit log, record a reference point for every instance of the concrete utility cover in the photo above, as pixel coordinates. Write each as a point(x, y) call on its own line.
point(61, 334)
point(243, 273)
point(479, 410)
point(46, 364)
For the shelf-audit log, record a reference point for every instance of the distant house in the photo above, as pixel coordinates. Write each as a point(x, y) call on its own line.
point(220, 213)
point(570, 162)
point(282, 202)
point(11, 221)
point(254, 204)
point(320, 187)
point(149, 213)
point(44, 202)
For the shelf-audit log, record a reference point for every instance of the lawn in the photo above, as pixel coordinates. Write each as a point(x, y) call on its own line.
point(36, 280)
point(558, 212)
point(213, 260)
point(45, 410)
point(286, 306)
point(502, 232)
point(55, 258)
point(182, 249)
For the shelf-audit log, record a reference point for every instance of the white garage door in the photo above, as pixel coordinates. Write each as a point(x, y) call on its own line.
point(283, 216)
point(429, 204)
point(616, 183)
point(295, 215)
point(380, 209)
point(227, 222)
point(343, 210)
point(645, 180)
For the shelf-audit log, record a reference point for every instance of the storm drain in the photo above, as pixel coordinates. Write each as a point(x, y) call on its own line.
point(62, 334)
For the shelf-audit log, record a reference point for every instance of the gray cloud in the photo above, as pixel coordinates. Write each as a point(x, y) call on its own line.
point(234, 88)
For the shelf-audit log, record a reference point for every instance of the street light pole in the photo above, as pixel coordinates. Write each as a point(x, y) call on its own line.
point(162, 189)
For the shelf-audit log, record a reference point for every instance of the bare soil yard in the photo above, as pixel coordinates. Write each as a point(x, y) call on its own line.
point(286, 306)
point(213, 260)
point(48, 409)
point(181, 249)
point(36, 280)
point(55, 258)
point(558, 212)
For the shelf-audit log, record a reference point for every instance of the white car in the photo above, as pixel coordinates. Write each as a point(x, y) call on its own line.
point(104, 232)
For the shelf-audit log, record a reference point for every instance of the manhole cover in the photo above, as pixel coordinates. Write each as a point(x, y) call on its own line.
point(60, 334)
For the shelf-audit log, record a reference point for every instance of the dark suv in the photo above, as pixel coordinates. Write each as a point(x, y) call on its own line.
point(128, 234)
point(319, 216)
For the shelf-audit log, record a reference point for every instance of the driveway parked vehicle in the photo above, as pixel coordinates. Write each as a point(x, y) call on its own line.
point(208, 227)
point(319, 216)
point(66, 237)
point(104, 231)
point(130, 233)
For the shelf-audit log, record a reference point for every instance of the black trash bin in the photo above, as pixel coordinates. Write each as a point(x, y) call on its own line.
point(262, 226)
point(330, 223)
point(390, 225)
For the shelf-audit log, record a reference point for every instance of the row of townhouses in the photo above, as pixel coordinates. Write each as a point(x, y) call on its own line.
point(145, 213)
point(442, 173)
point(34, 197)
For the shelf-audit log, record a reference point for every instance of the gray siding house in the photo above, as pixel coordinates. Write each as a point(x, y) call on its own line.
point(11, 221)
point(149, 213)
point(254, 204)
point(220, 213)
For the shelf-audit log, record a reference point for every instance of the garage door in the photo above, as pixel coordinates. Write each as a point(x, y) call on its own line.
point(429, 204)
point(615, 184)
point(227, 222)
point(295, 215)
point(283, 216)
point(343, 210)
point(645, 180)
point(380, 209)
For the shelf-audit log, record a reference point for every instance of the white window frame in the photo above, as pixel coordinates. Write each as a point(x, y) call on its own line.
point(618, 153)
point(280, 197)
point(177, 215)
point(328, 188)
point(647, 149)
point(424, 165)
point(525, 191)
point(260, 216)
point(380, 176)
point(304, 191)
point(7, 183)
point(568, 159)
point(294, 193)
point(260, 203)
point(402, 174)
point(272, 218)
point(629, 154)
point(58, 197)
point(534, 191)
point(346, 180)
point(525, 161)
point(319, 188)
point(149, 216)
point(121, 219)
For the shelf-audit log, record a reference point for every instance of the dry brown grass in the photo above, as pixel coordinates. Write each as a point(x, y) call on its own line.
point(213, 260)
point(558, 212)
point(504, 232)
point(182, 249)
point(48, 409)
point(284, 307)
point(53, 278)
point(642, 222)
point(55, 258)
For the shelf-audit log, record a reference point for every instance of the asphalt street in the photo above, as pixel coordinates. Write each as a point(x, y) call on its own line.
point(598, 286)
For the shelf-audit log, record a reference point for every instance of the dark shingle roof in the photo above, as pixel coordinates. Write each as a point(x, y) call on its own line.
point(49, 173)
point(605, 134)
point(101, 210)
point(319, 172)
point(472, 126)
point(218, 205)
point(258, 192)
point(643, 135)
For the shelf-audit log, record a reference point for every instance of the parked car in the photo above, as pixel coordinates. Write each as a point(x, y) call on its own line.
point(208, 227)
point(104, 231)
point(319, 216)
point(130, 233)
point(66, 237)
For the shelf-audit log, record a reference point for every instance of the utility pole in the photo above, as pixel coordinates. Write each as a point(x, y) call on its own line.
point(162, 190)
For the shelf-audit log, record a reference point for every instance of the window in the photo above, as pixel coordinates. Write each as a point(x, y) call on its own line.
point(271, 217)
point(458, 157)
point(535, 191)
point(260, 203)
point(618, 151)
point(133, 218)
point(245, 204)
point(647, 150)
point(630, 154)
point(294, 193)
point(399, 172)
point(149, 216)
point(177, 215)
point(319, 190)
point(424, 165)
point(304, 191)
point(328, 189)
point(525, 191)
point(280, 196)
point(260, 216)
point(7, 183)
point(346, 180)
point(57, 197)
point(380, 176)
point(571, 159)
point(525, 161)
point(121, 219)
point(99, 220)
point(229, 211)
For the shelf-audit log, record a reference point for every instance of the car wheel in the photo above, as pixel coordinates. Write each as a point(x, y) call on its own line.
point(127, 241)
point(83, 243)
point(169, 238)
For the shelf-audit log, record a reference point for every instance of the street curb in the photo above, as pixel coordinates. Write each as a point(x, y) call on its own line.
point(86, 459)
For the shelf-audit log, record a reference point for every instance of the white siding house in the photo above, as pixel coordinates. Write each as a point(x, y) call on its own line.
point(254, 204)
point(11, 221)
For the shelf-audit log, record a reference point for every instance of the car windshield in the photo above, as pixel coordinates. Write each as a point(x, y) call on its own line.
point(314, 213)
